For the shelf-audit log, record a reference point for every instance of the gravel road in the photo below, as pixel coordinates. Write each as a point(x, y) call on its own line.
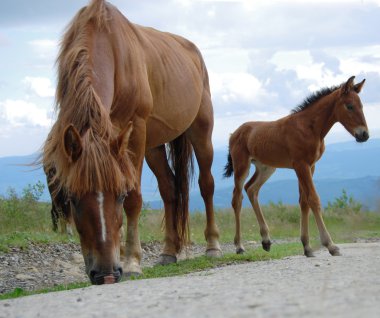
point(323, 286)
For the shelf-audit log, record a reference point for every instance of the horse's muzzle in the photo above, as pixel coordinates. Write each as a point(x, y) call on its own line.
point(98, 278)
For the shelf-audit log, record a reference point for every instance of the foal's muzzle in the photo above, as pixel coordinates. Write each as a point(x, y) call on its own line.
point(361, 135)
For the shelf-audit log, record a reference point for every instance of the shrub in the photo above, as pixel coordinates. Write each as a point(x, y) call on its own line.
point(344, 204)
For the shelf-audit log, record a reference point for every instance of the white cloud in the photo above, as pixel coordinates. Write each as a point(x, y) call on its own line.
point(21, 113)
point(41, 86)
point(235, 87)
point(45, 48)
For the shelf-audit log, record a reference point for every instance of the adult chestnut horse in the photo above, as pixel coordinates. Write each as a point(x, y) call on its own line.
point(124, 91)
point(295, 142)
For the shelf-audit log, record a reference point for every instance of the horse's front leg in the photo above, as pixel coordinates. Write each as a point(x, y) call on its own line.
point(133, 202)
point(304, 174)
point(158, 163)
point(133, 252)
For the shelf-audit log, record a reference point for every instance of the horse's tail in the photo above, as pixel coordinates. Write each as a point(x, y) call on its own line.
point(181, 157)
point(229, 168)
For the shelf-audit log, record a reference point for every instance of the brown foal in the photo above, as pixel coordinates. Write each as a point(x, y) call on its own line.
point(295, 142)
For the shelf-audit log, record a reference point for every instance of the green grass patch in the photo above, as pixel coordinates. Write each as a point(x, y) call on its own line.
point(19, 292)
point(201, 263)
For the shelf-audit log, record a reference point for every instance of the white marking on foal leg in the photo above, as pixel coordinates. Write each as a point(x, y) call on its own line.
point(101, 212)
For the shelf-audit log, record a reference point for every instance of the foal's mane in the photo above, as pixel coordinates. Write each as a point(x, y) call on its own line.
point(78, 104)
point(313, 98)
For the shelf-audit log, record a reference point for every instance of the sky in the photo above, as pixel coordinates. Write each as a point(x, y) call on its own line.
point(263, 57)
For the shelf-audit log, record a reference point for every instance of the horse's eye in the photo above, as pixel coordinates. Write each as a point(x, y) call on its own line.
point(350, 107)
point(121, 197)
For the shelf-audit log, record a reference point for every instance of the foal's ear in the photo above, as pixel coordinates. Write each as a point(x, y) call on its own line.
point(72, 142)
point(358, 87)
point(348, 85)
point(120, 144)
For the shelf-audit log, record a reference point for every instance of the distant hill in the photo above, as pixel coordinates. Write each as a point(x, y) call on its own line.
point(349, 165)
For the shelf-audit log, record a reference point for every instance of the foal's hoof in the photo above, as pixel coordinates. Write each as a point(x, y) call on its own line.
point(132, 275)
point(266, 245)
point(214, 252)
point(334, 251)
point(240, 250)
point(166, 259)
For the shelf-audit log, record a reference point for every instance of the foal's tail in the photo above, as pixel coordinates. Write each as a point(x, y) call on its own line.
point(229, 168)
point(181, 157)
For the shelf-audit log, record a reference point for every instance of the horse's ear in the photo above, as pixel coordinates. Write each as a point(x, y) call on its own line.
point(348, 85)
point(120, 144)
point(358, 87)
point(72, 142)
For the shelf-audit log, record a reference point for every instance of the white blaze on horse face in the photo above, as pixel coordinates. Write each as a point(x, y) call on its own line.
point(101, 212)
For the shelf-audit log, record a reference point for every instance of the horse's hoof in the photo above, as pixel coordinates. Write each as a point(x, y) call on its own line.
point(266, 245)
point(334, 251)
point(240, 250)
point(132, 275)
point(214, 252)
point(166, 259)
point(309, 253)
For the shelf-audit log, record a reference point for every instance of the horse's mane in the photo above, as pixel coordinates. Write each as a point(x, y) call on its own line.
point(313, 98)
point(77, 103)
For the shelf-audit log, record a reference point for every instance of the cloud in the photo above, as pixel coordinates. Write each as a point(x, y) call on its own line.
point(45, 48)
point(19, 113)
point(41, 86)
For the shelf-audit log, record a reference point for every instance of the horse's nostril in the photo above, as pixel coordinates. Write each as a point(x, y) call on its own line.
point(93, 275)
point(365, 135)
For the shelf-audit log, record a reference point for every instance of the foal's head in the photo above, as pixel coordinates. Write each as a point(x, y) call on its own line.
point(97, 181)
point(349, 110)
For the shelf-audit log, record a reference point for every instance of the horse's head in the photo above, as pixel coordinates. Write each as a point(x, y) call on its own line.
point(349, 110)
point(101, 185)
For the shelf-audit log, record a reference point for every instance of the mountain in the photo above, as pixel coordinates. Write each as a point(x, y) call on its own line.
point(349, 165)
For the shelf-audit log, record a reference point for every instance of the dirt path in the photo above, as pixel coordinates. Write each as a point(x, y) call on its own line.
point(324, 286)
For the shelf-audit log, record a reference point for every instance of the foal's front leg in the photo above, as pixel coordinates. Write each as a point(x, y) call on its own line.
point(304, 174)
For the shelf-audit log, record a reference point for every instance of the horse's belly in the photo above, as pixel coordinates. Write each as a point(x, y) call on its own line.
point(164, 127)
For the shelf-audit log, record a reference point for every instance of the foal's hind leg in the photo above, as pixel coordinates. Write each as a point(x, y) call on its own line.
point(241, 164)
point(262, 174)
point(158, 163)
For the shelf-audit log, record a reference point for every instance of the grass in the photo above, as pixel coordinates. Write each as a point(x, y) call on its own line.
point(24, 220)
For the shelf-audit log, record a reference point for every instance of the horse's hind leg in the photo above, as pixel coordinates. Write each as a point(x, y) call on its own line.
point(158, 163)
point(241, 164)
point(252, 188)
point(200, 136)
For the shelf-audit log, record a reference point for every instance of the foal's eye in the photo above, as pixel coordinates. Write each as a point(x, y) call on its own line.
point(350, 107)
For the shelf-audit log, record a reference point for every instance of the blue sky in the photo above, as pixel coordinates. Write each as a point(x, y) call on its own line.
point(264, 57)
